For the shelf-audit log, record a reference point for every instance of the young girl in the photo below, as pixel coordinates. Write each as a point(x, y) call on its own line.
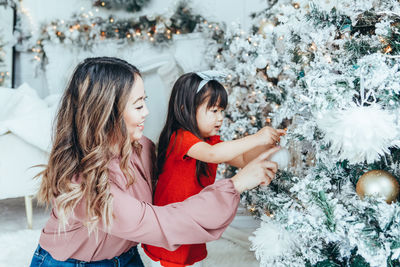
point(98, 179)
point(189, 147)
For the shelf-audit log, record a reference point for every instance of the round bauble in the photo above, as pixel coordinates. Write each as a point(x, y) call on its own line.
point(281, 157)
point(378, 183)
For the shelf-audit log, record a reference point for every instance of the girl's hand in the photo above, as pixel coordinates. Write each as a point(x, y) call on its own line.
point(269, 135)
point(258, 171)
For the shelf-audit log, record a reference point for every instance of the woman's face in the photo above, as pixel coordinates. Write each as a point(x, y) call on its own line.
point(136, 111)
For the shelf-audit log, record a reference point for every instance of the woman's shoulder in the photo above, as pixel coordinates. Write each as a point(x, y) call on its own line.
point(146, 143)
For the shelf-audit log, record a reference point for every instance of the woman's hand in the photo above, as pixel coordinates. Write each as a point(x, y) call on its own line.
point(269, 135)
point(258, 171)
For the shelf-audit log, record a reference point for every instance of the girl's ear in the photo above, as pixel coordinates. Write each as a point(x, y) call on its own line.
point(182, 108)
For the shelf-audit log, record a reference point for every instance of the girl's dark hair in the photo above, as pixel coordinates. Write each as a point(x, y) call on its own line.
point(182, 108)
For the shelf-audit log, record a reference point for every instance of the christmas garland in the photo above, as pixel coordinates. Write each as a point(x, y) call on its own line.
point(3, 74)
point(128, 5)
point(85, 30)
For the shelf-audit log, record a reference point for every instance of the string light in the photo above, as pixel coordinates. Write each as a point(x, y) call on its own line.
point(313, 46)
point(328, 58)
point(252, 208)
point(388, 49)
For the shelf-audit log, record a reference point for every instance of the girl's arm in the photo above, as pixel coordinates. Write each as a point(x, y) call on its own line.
point(232, 152)
point(245, 158)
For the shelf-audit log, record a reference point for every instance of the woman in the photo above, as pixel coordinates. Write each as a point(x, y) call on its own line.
point(99, 178)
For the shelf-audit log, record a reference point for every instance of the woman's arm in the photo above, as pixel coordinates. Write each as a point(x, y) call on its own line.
point(232, 152)
point(198, 219)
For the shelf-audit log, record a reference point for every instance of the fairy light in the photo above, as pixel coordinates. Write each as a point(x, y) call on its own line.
point(103, 4)
point(281, 37)
point(388, 49)
point(111, 20)
point(26, 12)
point(178, 32)
point(252, 208)
point(328, 58)
point(313, 46)
point(296, 5)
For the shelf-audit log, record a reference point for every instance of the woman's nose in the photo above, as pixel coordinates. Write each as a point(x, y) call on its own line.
point(145, 110)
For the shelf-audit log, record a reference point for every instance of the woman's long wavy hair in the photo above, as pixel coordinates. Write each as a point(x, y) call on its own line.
point(89, 132)
point(182, 107)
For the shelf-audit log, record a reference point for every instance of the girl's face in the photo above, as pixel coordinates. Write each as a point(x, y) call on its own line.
point(209, 120)
point(136, 110)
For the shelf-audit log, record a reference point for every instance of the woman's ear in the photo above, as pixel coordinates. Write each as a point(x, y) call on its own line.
point(182, 108)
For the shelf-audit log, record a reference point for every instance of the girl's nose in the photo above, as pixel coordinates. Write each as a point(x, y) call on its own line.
point(220, 116)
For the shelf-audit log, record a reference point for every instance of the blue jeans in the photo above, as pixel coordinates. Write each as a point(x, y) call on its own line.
point(131, 258)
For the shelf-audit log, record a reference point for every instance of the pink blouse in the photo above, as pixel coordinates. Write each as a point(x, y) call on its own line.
point(198, 219)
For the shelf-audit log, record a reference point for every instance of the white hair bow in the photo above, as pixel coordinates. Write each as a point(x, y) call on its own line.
point(210, 75)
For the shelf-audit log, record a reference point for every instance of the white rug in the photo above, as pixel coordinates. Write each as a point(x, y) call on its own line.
point(16, 250)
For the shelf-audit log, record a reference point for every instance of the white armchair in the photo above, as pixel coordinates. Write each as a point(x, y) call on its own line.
point(16, 174)
point(25, 130)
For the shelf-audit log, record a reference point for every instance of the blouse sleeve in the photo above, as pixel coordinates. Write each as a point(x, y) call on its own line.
point(184, 141)
point(198, 219)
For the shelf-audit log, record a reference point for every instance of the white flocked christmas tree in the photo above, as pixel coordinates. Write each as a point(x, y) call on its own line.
point(328, 71)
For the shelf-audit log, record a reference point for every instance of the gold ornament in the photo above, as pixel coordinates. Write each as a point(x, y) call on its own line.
point(378, 183)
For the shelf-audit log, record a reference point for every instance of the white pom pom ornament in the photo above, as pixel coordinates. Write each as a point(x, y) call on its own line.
point(281, 157)
point(360, 133)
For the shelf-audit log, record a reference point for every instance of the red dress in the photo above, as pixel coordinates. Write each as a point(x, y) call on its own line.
point(177, 182)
